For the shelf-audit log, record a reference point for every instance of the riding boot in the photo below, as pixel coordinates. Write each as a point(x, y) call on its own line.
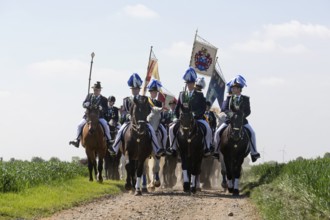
point(255, 157)
point(110, 148)
point(75, 143)
point(207, 152)
point(170, 151)
point(160, 152)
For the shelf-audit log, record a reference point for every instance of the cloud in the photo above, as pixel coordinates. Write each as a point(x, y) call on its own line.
point(272, 81)
point(139, 11)
point(290, 37)
point(4, 94)
point(178, 50)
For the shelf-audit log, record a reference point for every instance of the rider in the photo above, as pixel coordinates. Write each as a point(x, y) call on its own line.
point(100, 101)
point(169, 116)
point(135, 83)
point(236, 85)
point(195, 101)
point(153, 88)
point(112, 112)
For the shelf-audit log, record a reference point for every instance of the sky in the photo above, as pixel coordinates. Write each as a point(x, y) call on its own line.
point(280, 47)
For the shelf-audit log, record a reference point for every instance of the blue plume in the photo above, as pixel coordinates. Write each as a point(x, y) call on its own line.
point(134, 80)
point(154, 83)
point(190, 75)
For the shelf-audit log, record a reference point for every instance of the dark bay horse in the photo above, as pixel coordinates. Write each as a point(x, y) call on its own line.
point(137, 143)
point(111, 163)
point(191, 148)
point(94, 142)
point(234, 148)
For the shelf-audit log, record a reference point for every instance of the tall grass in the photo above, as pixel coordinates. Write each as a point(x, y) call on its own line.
point(297, 190)
point(16, 176)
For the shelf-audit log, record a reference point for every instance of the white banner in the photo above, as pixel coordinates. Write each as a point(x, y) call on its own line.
point(203, 57)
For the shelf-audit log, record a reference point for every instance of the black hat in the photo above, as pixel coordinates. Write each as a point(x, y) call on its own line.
point(154, 88)
point(97, 85)
point(172, 102)
point(112, 98)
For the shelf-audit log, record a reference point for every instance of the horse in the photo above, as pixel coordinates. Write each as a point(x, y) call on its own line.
point(94, 142)
point(111, 163)
point(137, 143)
point(234, 148)
point(191, 148)
point(154, 119)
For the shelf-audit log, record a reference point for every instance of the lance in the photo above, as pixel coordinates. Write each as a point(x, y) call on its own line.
point(90, 72)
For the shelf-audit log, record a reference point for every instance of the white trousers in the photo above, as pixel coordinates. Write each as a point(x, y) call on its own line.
point(208, 135)
point(117, 143)
point(103, 122)
point(162, 136)
point(252, 143)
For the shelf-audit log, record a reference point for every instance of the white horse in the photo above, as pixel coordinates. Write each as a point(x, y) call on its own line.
point(154, 119)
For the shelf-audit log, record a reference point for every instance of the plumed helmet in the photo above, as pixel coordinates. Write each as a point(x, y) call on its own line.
point(200, 82)
point(97, 85)
point(112, 98)
point(190, 75)
point(237, 81)
point(134, 81)
point(154, 85)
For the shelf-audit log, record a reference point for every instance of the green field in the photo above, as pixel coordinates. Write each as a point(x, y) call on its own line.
point(31, 190)
point(297, 190)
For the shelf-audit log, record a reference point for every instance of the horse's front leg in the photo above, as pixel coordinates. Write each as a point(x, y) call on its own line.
point(90, 169)
point(144, 176)
point(186, 182)
point(128, 184)
point(155, 169)
point(100, 169)
point(140, 165)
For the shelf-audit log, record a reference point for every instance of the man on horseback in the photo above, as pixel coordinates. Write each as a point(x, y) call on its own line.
point(94, 99)
point(196, 103)
point(153, 88)
point(229, 107)
point(210, 117)
point(135, 83)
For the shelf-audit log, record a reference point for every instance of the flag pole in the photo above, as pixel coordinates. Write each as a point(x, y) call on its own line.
point(90, 72)
point(148, 69)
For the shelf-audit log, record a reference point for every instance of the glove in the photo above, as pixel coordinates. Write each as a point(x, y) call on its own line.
point(100, 108)
point(175, 120)
point(87, 104)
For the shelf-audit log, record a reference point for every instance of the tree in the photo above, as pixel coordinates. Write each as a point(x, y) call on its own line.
point(37, 159)
point(326, 155)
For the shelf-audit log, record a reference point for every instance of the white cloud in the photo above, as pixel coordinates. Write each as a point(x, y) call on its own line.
point(272, 81)
point(178, 50)
point(4, 94)
point(290, 37)
point(139, 11)
point(294, 29)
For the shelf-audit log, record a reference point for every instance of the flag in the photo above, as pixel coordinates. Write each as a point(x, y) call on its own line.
point(203, 57)
point(152, 71)
point(216, 88)
point(165, 97)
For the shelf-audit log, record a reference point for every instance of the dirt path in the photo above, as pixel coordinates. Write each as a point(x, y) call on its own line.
point(165, 204)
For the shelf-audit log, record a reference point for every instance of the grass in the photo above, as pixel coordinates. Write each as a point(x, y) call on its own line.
point(297, 190)
point(45, 200)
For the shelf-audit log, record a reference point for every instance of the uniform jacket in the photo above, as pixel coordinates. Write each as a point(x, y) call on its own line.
point(244, 106)
point(98, 101)
point(128, 103)
point(112, 114)
point(196, 104)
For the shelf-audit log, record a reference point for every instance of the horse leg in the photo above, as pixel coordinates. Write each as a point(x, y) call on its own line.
point(100, 169)
point(139, 172)
point(107, 165)
point(90, 169)
point(224, 183)
point(128, 184)
point(144, 177)
point(229, 170)
point(155, 169)
point(186, 183)
point(116, 167)
point(237, 174)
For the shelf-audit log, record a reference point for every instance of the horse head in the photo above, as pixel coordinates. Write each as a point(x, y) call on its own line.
point(92, 114)
point(237, 123)
point(140, 110)
point(187, 121)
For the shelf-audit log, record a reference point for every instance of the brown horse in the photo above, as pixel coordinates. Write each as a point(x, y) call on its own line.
point(234, 147)
point(137, 143)
point(94, 142)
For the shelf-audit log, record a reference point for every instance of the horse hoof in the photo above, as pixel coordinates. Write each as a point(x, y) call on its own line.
point(193, 190)
point(144, 190)
point(157, 183)
point(198, 189)
point(235, 192)
point(138, 192)
point(224, 185)
point(128, 187)
point(151, 188)
point(186, 187)
point(230, 190)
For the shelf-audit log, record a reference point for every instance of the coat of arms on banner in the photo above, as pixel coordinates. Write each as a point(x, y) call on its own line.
point(203, 59)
